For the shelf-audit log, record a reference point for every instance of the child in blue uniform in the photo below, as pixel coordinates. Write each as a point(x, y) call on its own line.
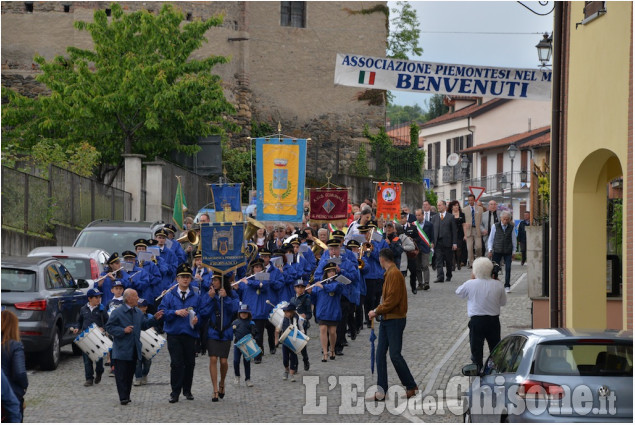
point(302, 301)
point(289, 357)
point(93, 312)
point(143, 364)
point(242, 327)
point(326, 297)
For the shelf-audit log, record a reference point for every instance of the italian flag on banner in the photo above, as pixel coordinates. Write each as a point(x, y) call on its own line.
point(423, 235)
point(179, 205)
point(332, 227)
point(366, 77)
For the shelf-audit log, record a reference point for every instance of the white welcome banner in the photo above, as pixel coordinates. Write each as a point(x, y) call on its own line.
point(427, 77)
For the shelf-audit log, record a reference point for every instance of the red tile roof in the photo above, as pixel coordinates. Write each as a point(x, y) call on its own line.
point(400, 135)
point(538, 137)
point(473, 110)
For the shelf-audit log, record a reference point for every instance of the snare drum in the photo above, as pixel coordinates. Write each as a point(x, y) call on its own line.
point(247, 345)
point(277, 315)
point(151, 343)
point(93, 342)
point(294, 339)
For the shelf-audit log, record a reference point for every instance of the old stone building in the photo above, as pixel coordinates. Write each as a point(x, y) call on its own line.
point(281, 69)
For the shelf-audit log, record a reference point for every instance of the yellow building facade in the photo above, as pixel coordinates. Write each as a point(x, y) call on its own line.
point(597, 145)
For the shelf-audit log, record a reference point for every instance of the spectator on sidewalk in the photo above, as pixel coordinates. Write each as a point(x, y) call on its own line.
point(485, 296)
point(502, 245)
point(522, 237)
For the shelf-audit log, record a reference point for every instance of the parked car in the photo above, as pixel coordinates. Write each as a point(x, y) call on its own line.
point(115, 236)
point(555, 375)
point(82, 263)
point(47, 300)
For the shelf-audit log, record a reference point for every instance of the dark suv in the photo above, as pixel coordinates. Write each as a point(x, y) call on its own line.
point(47, 300)
point(115, 236)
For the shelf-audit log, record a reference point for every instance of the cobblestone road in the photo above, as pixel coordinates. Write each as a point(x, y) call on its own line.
point(435, 347)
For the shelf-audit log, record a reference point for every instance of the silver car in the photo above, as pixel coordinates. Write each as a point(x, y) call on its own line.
point(82, 263)
point(554, 375)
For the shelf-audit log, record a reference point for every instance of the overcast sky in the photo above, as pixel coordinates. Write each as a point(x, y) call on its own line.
point(450, 34)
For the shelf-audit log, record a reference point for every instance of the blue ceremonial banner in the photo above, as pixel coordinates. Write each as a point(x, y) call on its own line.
point(226, 196)
point(222, 246)
point(281, 168)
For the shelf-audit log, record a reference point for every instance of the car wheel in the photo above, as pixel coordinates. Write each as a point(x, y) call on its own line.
point(76, 350)
point(50, 357)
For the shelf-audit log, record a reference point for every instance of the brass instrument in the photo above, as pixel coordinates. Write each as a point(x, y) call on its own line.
point(318, 247)
point(368, 247)
point(251, 252)
point(191, 237)
point(251, 228)
point(360, 262)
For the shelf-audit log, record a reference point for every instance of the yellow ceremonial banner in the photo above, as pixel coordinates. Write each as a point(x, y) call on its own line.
point(281, 172)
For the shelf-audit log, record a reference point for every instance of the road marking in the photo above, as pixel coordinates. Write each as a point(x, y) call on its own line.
point(437, 369)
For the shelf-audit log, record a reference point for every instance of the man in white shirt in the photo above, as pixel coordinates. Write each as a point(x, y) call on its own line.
point(485, 296)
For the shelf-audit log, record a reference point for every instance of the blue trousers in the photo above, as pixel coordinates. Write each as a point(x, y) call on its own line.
point(88, 367)
point(496, 257)
point(391, 338)
point(143, 367)
point(246, 363)
point(289, 359)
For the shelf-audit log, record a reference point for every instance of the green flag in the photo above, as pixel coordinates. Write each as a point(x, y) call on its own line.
point(179, 206)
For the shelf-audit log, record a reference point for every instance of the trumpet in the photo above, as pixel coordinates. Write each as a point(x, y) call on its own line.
point(191, 236)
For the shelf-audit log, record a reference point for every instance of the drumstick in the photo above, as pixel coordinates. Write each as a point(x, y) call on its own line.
point(106, 275)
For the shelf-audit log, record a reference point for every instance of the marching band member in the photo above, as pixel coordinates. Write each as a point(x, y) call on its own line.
point(275, 283)
point(360, 291)
point(243, 326)
point(92, 312)
point(308, 254)
point(143, 365)
point(289, 357)
point(326, 297)
point(219, 307)
point(256, 293)
point(113, 272)
point(139, 279)
point(202, 276)
point(375, 276)
point(302, 301)
point(179, 252)
point(290, 274)
point(117, 296)
point(152, 271)
point(181, 306)
point(166, 261)
point(302, 267)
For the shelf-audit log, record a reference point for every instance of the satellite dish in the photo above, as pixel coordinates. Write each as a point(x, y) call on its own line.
point(453, 159)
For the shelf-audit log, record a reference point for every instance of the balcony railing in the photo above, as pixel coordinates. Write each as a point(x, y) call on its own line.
point(494, 183)
point(452, 174)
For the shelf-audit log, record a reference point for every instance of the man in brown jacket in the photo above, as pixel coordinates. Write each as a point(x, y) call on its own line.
point(392, 322)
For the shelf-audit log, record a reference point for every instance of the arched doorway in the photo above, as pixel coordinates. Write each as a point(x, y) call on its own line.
point(587, 265)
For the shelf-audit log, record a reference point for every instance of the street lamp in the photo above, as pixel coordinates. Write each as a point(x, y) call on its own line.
point(465, 163)
point(544, 49)
point(503, 183)
point(512, 151)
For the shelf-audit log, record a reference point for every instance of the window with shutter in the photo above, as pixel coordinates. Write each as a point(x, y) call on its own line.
point(293, 14)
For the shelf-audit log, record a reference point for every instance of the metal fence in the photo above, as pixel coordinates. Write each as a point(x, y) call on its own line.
point(34, 204)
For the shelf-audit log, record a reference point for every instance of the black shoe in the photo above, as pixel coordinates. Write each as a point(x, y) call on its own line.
point(258, 361)
point(419, 286)
point(426, 287)
point(272, 351)
point(353, 336)
point(306, 365)
point(124, 402)
point(98, 378)
point(448, 279)
point(174, 399)
point(345, 343)
point(438, 281)
point(339, 352)
point(414, 290)
point(189, 396)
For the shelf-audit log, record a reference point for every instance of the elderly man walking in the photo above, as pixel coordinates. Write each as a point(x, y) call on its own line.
point(485, 297)
point(502, 244)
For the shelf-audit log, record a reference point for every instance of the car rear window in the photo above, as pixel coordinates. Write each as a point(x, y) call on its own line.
point(607, 358)
point(18, 280)
point(79, 268)
point(110, 240)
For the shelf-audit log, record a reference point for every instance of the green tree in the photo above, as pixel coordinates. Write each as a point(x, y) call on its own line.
point(435, 107)
point(403, 163)
point(360, 166)
point(399, 114)
point(137, 91)
point(403, 37)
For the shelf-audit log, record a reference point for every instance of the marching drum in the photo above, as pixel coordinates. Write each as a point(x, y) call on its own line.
point(247, 345)
point(277, 315)
point(151, 343)
point(94, 343)
point(294, 339)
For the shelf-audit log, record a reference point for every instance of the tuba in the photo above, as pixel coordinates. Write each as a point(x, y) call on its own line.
point(318, 247)
point(251, 228)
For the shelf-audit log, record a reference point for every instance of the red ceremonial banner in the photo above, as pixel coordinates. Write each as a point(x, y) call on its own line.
point(389, 200)
point(329, 206)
